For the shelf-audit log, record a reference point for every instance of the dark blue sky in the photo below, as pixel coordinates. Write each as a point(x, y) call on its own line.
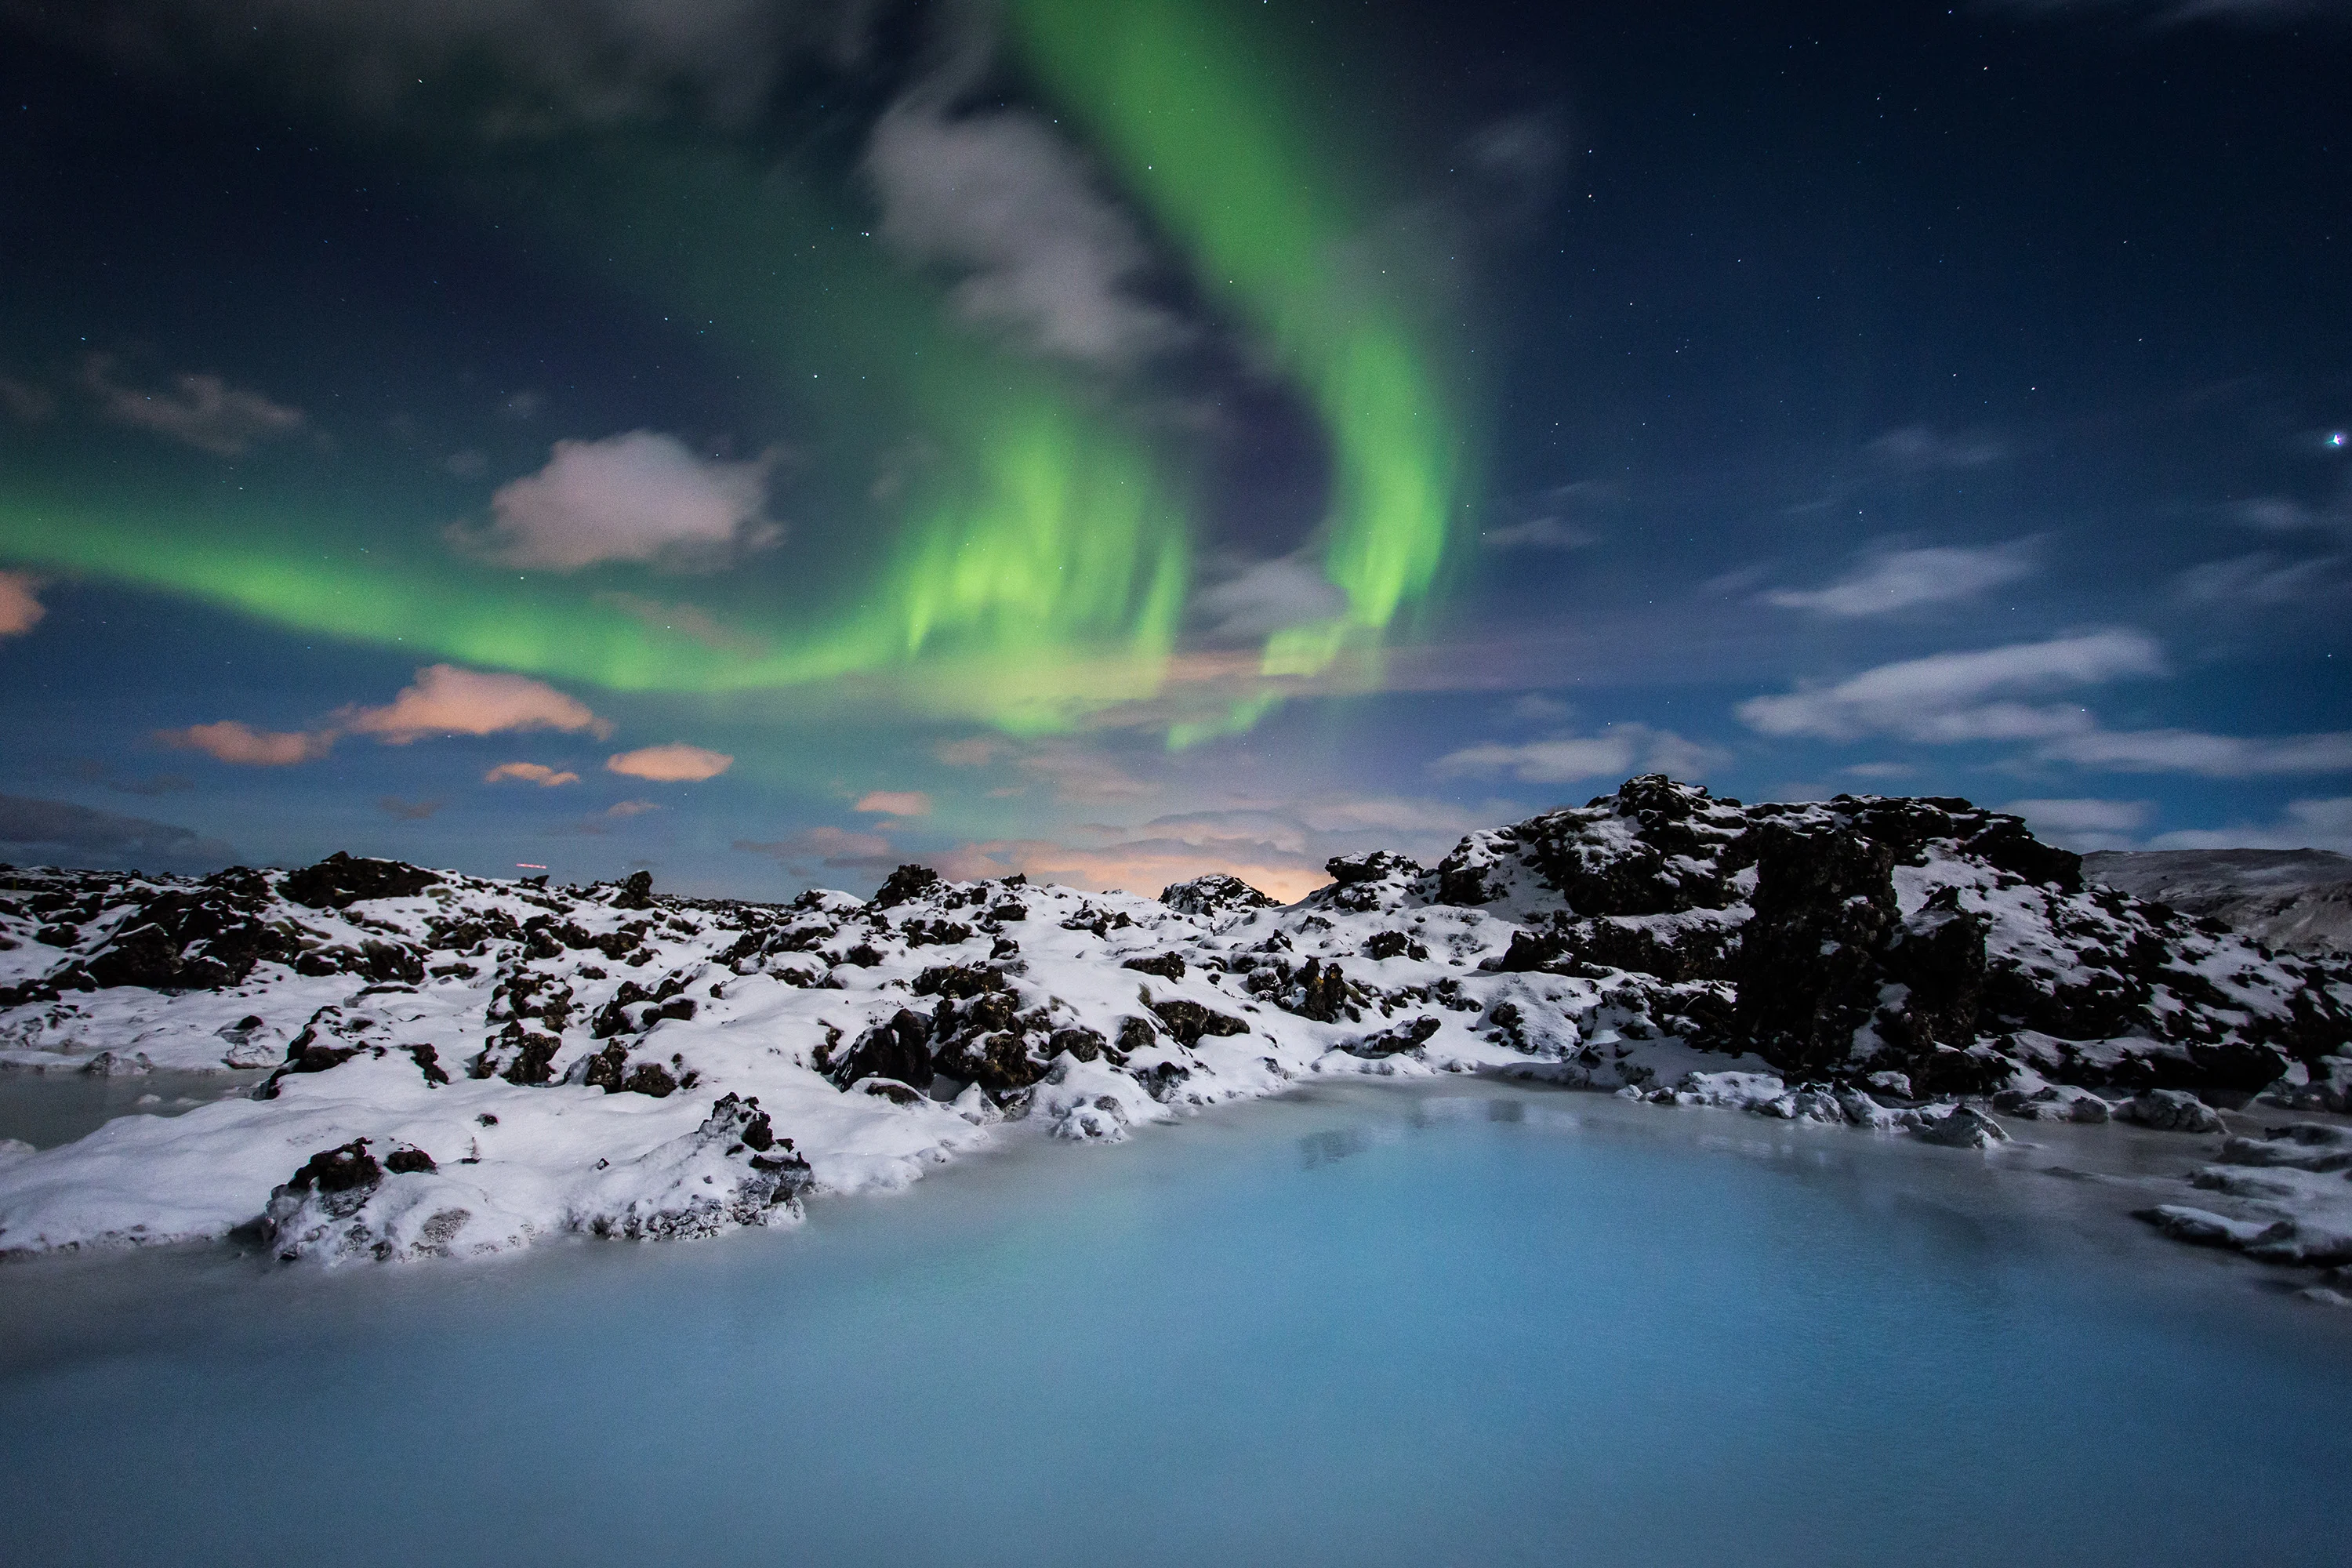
point(1940, 400)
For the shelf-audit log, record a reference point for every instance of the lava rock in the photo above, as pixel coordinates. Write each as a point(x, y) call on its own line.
point(904, 883)
point(342, 879)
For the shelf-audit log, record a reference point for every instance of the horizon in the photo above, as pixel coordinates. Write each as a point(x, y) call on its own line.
point(765, 445)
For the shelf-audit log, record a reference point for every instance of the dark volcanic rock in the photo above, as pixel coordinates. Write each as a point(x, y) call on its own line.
point(1808, 968)
point(1187, 1021)
point(1213, 894)
point(899, 1050)
point(342, 879)
point(905, 882)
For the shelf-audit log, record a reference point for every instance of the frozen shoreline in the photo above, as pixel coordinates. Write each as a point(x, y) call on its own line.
point(464, 1067)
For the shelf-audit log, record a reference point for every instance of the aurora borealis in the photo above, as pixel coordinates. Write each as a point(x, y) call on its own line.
point(1163, 435)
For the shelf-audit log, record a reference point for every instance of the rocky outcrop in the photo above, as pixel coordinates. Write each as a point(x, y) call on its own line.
point(342, 879)
point(1874, 963)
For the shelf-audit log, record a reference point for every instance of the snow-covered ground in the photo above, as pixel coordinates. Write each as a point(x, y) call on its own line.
point(2295, 899)
point(465, 1066)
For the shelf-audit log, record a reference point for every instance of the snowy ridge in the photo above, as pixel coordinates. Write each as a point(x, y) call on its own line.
point(465, 1066)
point(2296, 899)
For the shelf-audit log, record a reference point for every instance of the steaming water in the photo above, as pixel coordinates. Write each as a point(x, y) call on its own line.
point(1456, 1324)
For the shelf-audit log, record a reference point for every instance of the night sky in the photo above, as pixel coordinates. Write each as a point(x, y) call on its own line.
point(766, 440)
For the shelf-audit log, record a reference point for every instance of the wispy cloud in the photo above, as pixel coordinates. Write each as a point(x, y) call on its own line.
point(2322, 824)
point(1919, 449)
point(2195, 752)
point(401, 810)
point(1043, 257)
point(2263, 578)
point(1552, 520)
point(32, 829)
point(1246, 601)
point(642, 497)
point(1077, 775)
point(832, 849)
point(445, 701)
point(2084, 816)
point(1961, 695)
point(2174, 13)
point(1885, 581)
point(232, 741)
point(204, 411)
point(538, 773)
point(1618, 752)
point(894, 802)
point(1986, 696)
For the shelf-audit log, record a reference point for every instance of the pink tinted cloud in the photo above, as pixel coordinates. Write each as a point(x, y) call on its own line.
point(447, 701)
point(232, 742)
point(530, 772)
point(895, 803)
point(673, 763)
point(20, 610)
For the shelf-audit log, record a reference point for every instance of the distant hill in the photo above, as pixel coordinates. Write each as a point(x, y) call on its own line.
point(2298, 899)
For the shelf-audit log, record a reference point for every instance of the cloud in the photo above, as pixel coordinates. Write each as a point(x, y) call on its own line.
point(837, 849)
point(158, 784)
point(1544, 522)
point(204, 411)
point(231, 741)
point(2194, 752)
point(630, 808)
point(2084, 816)
point(20, 609)
point(1002, 199)
point(448, 700)
point(32, 829)
point(26, 402)
point(1076, 776)
point(530, 772)
point(2305, 825)
point(641, 497)
point(977, 752)
point(1539, 533)
point(2173, 13)
point(673, 763)
point(544, 67)
point(1621, 752)
point(689, 619)
point(2266, 579)
point(1886, 581)
point(1257, 598)
point(1916, 448)
point(1961, 695)
point(895, 803)
point(392, 806)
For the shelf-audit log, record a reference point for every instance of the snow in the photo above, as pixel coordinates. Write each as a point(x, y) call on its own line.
point(469, 1066)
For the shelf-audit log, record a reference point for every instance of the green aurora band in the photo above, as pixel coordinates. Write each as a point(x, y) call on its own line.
point(1034, 568)
point(1222, 150)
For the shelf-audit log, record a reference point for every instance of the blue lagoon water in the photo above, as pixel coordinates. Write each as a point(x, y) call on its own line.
point(1457, 1323)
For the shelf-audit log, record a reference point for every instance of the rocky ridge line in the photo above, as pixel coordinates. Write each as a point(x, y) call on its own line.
point(480, 1063)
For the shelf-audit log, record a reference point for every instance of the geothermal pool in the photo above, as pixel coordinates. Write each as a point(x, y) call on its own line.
point(1363, 1324)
